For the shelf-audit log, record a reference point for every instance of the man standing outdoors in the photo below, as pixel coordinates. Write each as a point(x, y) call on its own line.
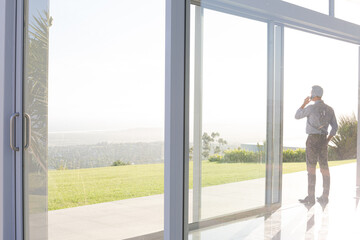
point(319, 117)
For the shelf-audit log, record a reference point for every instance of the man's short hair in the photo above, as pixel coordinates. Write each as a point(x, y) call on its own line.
point(317, 91)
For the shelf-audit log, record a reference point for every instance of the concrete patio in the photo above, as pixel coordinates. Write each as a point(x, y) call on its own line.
point(139, 216)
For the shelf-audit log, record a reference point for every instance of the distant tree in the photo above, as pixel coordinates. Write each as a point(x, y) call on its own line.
point(221, 143)
point(191, 153)
point(206, 145)
point(261, 151)
point(345, 141)
point(215, 135)
point(212, 144)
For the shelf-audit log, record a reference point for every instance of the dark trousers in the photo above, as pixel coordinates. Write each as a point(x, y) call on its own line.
point(316, 151)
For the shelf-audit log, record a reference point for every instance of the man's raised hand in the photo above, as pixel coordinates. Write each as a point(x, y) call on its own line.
point(306, 102)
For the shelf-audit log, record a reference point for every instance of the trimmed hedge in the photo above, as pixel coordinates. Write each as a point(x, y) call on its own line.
point(239, 155)
point(244, 156)
point(297, 155)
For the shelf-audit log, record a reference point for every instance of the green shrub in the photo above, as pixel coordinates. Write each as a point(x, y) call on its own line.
point(297, 155)
point(345, 141)
point(119, 163)
point(332, 154)
point(61, 167)
point(215, 158)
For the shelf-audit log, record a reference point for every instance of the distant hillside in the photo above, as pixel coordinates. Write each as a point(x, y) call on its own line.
point(104, 154)
point(114, 136)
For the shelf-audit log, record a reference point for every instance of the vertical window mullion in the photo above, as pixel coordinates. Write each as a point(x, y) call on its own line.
point(274, 115)
point(358, 135)
point(176, 120)
point(278, 115)
point(270, 115)
point(198, 97)
point(332, 8)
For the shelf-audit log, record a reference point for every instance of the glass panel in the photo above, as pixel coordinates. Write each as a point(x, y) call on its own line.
point(315, 60)
point(321, 6)
point(36, 107)
point(100, 137)
point(348, 10)
point(228, 132)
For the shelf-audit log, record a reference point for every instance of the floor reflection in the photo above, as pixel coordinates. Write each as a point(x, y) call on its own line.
point(291, 223)
point(311, 225)
point(337, 220)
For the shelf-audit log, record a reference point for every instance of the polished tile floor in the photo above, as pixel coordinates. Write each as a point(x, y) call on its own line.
point(338, 220)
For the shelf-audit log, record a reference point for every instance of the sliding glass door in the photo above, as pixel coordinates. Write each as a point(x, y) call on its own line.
point(229, 95)
point(235, 116)
point(93, 107)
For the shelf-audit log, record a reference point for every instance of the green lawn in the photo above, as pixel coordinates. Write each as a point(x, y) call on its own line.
point(72, 188)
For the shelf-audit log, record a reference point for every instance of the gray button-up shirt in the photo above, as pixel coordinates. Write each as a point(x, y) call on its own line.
point(319, 116)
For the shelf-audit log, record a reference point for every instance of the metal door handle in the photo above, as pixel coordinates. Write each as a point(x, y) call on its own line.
point(12, 131)
point(27, 130)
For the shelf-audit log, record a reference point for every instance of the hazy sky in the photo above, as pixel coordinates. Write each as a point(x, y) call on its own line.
point(106, 70)
point(106, 66)
point(348, 10)
point(320, 61)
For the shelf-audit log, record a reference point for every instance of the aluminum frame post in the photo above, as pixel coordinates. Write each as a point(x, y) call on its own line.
point(176, 186)
point(8, 16)
point(198, 102)
point(274, 136)
point(278, 113)
point(358, 135)
point(19, 186)
point(332, 8)
point(270, 116)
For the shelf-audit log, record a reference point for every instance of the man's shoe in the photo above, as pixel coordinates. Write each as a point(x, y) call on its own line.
point(323, 199)
point(308, 200)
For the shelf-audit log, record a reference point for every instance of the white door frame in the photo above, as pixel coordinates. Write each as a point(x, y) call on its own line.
point(10, 88)
point(7, 94)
